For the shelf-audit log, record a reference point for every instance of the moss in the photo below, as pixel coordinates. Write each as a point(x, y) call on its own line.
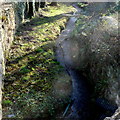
point(32, 66)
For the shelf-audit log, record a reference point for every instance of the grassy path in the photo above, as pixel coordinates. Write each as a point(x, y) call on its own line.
point(32, 68)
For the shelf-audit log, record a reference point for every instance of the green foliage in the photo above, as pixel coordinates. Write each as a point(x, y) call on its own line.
point(6, 102)
point(82, 5)
point(24, 70)
point(117, 7)
point(114, 9)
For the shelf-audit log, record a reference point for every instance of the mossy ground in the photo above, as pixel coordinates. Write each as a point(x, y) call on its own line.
point(32, 66)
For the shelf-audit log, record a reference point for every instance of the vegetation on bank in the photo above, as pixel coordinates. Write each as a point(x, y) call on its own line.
point(32, 67)
point(99, 49)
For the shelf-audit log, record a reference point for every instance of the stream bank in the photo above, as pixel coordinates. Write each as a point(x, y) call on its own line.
point(73, 52)
point(36, 93)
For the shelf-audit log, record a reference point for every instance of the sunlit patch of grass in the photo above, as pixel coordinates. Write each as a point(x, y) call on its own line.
point(60, 9)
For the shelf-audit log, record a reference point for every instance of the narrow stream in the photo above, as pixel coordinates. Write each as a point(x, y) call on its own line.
point(81, 95)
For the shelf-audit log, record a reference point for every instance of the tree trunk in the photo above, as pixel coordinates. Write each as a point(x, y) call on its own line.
point(42, 4)
point(36, 6)
point(31, 12)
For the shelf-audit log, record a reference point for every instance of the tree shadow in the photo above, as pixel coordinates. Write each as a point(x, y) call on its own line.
point(37, 21)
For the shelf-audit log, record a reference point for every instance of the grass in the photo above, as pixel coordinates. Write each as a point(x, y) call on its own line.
point(31, 67)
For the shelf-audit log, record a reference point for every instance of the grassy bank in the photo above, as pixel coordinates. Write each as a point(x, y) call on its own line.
point(32, 68)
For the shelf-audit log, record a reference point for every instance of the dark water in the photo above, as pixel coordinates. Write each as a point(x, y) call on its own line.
point(83, 107)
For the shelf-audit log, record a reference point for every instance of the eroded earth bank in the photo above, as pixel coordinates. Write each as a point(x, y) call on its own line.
point(89, 50)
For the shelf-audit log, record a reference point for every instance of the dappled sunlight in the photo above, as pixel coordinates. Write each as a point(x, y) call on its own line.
point(32, 58)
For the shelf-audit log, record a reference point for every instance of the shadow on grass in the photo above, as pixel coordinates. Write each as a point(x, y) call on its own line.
point(38, 56)
point(41, 20)
point(36, 51)
point(28, 26)
point(46, 19)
